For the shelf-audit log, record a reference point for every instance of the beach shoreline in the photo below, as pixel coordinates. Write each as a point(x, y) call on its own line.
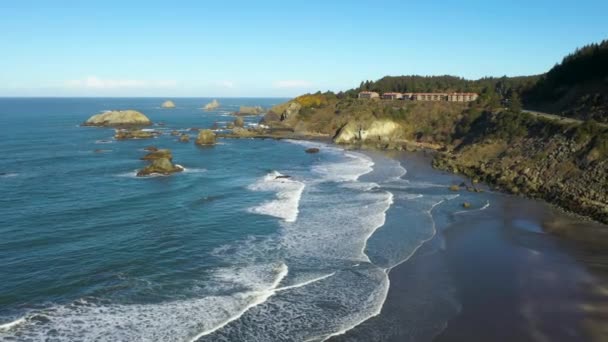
point(495, 274)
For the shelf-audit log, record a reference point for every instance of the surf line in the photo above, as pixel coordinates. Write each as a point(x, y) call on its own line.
point(387, 271)
point(262, 296)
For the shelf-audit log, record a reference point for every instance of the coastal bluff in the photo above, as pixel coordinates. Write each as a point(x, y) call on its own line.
point(118, 118)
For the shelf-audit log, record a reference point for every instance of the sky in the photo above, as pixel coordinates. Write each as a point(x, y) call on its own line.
point(277, 48)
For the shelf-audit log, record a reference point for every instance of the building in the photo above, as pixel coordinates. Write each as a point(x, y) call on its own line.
point(450, 97)
point(462, 97)
point(369, 95)
point(392, 96)
point(430, 97)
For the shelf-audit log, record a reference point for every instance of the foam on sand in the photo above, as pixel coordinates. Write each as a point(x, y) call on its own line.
point(288, 194)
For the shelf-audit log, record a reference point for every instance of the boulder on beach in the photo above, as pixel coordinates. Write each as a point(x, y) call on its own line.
point(247, 110)
point(168, 104)
point(205, 137)
point(312, 150)
point(158, 154)
point(161, 166)
point(124, 134)
point(455, 187)
point(212, 105)
point(184, 138)
point(118, 118)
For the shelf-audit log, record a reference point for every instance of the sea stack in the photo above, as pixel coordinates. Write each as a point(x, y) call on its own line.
point(118, 118)
point(168, 104)
point(161, 163)
point(212, 105)
point(205, 137)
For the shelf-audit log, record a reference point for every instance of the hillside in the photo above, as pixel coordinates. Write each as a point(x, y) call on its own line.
point(577, 87)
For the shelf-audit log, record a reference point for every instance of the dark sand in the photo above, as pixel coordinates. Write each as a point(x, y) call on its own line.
point(495, 275)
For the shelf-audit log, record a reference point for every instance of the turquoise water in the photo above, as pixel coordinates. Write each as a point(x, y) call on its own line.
point(222, 251)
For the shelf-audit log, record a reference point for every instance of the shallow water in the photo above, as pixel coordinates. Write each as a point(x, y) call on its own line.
point(223, 251)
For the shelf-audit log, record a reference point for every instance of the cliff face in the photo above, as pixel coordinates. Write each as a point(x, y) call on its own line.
point(563, 163)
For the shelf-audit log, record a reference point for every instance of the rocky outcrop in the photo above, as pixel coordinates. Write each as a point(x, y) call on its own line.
point(239, 122)
point(246, 110)
point(551, 168)
point(118, 118)
point(312, 150)
point(168, 104)
point(124, 134)
point(160, 163)
point(379, 131)
point(161, 166)
point(158, 154)
point(212, 105)
point(206, 137)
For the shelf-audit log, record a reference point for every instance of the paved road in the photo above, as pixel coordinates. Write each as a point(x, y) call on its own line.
point(553, 117)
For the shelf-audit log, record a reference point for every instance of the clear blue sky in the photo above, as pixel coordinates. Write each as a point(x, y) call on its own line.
point(277, 48)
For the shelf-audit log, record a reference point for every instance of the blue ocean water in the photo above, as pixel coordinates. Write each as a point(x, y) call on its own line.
point(223, 251)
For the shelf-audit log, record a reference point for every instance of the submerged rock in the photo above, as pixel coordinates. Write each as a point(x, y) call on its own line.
point(124, 134)
point(118, 118)
point(161, 166)
point(174, 133)
point(312, 150)
point(466, 205)
point(212, 105)
point(151, 148)
point(184, 138)
point(205, 137)
point(454, 187)
point(168, 104)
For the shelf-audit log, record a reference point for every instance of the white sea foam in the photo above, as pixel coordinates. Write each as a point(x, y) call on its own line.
point(484, 207)
point(288, 194)
point(9, 325)
point(170, 321)
point(349, 170)
point(9, 175)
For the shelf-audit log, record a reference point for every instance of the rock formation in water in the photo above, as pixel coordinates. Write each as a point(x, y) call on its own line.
point(184, 138)
point(168, 104)
point(124, 134)
point(312, 150)
point(160, 163)
point(118, 118)
point(239, 122)
point(205, 137)
point(212, 105)
point(158, 154)
point(246, 110)
point(161, 166)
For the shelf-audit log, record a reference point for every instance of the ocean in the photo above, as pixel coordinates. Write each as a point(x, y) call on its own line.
point(224, 251)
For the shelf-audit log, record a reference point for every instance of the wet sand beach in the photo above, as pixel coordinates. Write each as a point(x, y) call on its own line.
point(494, 275)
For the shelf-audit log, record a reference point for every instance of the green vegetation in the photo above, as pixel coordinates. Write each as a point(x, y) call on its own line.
point(577, 87)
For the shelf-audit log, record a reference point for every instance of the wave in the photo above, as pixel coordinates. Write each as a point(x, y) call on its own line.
point(482, 208)
point(8, 175)
point(349, 170)
point(179, 320)
point(288, 194)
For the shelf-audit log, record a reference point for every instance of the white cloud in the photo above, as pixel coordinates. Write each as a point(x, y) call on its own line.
point(292, 84)
point(98, 83)
point(226, 84)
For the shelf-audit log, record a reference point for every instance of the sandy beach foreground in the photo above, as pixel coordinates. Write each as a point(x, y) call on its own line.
point(493, 275)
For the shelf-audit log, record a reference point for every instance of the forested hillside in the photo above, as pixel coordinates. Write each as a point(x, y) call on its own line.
point(577, 87)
